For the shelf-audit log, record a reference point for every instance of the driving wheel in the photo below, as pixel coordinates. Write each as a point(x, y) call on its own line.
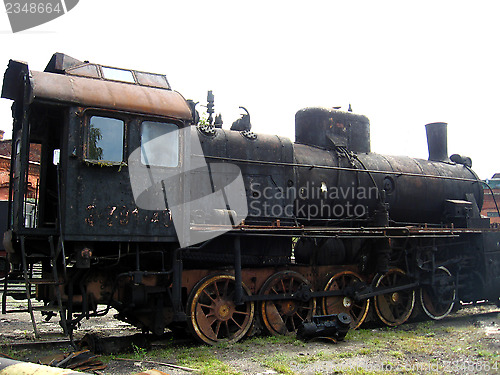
point(394, 308)
point(345, 303)
point(438, 299)
point(214, 317)
point(284, 316)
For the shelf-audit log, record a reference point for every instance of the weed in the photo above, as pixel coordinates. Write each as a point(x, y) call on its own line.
point(345, 355)
point(139, 352)
point(360, 371)
point(365, 351)
point(360, 334)
point(426, 327)
point(484, 354)
point(201, 358)
point(306, 359)
point(448, 329)
point(213, 366)
point(280, 363)
point(397, 354)
point(10, 352)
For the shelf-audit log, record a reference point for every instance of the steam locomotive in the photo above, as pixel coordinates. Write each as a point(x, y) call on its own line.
point(177, 223)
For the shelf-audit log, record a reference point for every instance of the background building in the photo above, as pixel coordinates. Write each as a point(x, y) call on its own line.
point(33, 180)
point(489, 208)
point(34, 168)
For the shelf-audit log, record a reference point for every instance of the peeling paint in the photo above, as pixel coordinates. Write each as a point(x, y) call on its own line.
point(122, 215)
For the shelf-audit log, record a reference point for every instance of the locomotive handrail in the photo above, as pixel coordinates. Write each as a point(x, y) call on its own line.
point(346, 169)
point(409, 230)
point(492, 194)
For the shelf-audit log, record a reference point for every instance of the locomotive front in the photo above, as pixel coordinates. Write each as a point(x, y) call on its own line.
point(347, 181)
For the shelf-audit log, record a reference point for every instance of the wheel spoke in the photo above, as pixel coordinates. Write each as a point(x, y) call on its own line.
point(283, 285)
point(336, 303)
point(235, 322)
point(208, 295)
point(217, 294)
point(241, 312)
point(300, 317)
point(293, 324)
point(217, 328)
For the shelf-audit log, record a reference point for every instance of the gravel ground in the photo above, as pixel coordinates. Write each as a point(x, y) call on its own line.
point(466, 342)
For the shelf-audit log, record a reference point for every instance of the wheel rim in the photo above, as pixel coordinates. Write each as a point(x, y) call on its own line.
point(436, 303)
point(345, 304)
point(283, 317)
point(394, 308)
point(214, 317)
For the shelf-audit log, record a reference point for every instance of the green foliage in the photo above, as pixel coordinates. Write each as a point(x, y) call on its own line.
point(213, 366)
point(94, 151)
point(203, 119)
point(397, 354)
point(202, 358)
point(139, 353)
point(279, 363)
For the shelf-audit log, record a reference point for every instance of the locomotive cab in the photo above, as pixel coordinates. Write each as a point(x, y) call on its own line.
point(75, 125)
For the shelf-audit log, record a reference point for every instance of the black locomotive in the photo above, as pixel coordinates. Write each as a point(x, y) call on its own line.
point(138, 208)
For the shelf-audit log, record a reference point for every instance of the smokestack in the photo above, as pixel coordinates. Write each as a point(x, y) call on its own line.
point(437, 141)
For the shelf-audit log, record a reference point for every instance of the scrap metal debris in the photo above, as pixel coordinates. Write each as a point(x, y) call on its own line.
point(83, 360)
point(331, 327)
point(157, 363)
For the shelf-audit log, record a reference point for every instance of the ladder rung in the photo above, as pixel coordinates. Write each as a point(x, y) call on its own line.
point(15, 276)
point(19, 296)
point(43, 282)
point(16, 311)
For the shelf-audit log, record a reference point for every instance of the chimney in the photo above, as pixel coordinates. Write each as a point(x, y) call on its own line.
point(437, 141)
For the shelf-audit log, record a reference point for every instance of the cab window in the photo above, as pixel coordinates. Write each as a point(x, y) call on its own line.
point(159, 144)
point(105, 139)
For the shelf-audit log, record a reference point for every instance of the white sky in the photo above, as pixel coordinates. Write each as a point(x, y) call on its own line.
point(400, 63)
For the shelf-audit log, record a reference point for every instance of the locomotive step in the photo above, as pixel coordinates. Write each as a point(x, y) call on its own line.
point(45, 308)
point(18, 296)
point(34, 308)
